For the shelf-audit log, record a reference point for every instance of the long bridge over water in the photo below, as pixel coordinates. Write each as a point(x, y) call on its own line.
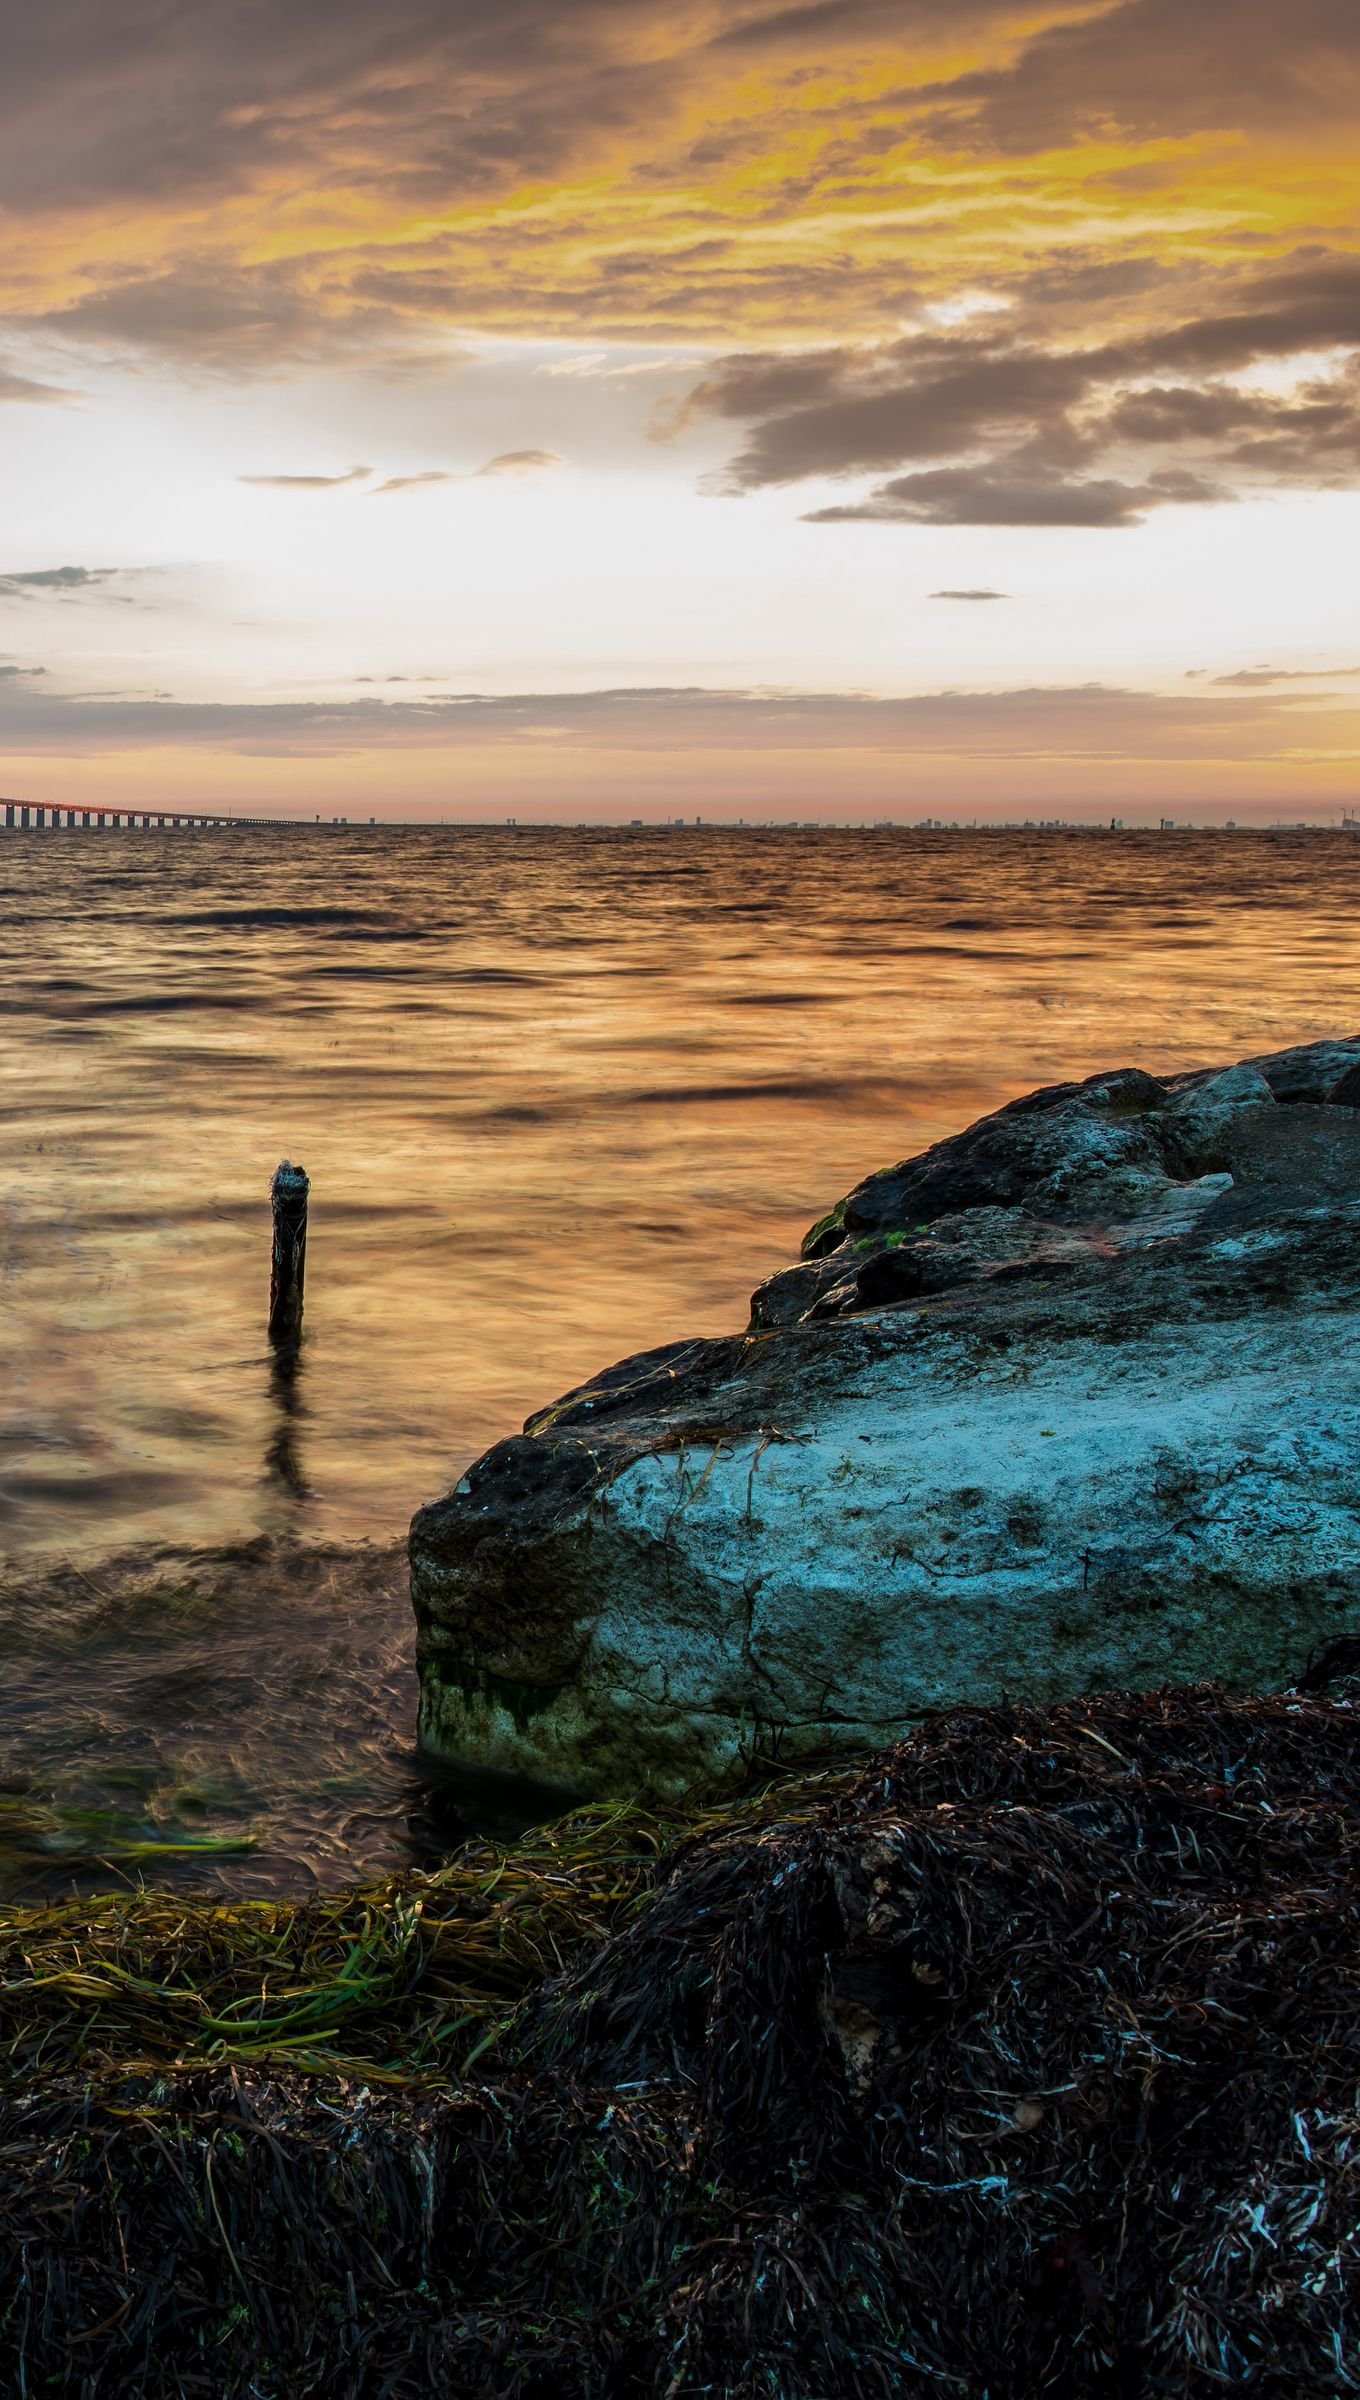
point(26, 817)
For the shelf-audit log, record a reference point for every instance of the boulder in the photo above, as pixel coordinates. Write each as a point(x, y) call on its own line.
point(1069, 1401)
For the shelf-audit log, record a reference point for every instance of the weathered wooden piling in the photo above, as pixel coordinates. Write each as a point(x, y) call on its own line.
point(288, 1195)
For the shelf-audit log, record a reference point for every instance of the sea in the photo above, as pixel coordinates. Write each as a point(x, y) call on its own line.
point(562, 1094)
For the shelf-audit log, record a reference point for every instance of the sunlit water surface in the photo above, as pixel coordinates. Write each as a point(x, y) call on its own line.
point(561, 1095)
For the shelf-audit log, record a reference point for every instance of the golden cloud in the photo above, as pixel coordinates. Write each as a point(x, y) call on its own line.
point(268, 184)
point(1019, 259)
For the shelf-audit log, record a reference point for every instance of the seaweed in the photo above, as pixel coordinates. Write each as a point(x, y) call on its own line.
point(1024, 2060)
point(398, 1981)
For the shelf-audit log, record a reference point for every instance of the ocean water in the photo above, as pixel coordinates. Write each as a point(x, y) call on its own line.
point(561, 1095)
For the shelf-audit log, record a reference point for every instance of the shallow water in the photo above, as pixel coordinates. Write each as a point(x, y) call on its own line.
point(561, 1094)
point(238, 1720)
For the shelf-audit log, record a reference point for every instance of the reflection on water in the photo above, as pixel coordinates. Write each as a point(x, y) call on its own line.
point(561, 1095)
point(282, 1457)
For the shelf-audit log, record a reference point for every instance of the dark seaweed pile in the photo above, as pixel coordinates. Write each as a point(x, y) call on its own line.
point(1023, 2062)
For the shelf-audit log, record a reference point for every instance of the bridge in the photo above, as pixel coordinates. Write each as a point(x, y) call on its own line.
point(23, 817)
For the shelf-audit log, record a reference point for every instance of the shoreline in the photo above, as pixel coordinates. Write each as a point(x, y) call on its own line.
point(887, 2080)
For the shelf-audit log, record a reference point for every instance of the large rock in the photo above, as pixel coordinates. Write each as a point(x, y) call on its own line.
point(1069, 1401)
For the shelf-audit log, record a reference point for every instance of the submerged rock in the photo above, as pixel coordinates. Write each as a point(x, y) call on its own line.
point(1068, 1401)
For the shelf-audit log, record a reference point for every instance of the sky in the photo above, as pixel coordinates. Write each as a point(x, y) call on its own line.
point(597, 409)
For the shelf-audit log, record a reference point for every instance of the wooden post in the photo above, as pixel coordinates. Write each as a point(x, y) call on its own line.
point(288, 1193)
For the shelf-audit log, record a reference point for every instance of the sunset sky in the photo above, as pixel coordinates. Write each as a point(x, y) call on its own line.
point(599, 408)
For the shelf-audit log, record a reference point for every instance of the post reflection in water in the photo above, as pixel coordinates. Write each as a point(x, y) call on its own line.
point(288, 1410)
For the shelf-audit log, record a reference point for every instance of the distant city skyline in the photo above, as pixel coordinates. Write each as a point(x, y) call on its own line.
point(868, 408)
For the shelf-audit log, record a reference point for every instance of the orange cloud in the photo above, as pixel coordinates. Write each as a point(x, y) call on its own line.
point(275, 184)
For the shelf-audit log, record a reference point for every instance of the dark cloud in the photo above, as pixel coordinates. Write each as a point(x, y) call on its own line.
point(852, 23)
point(999, 427)
point(1311, 436)
point(1092, 721)
point(1259, 678)
point(1311, 302)
point(201, 309)
point(306, 483)
point(1179, 413)
point(130, 102)
point(977, 595)
point(1153, 69)
point(833, 411)
point(849, 411)
point(208, 312)
point(985, 496)
point(138, 100)
point(32, 582)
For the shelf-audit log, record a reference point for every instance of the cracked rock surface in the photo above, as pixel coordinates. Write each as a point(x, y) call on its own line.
point(1071, 1400)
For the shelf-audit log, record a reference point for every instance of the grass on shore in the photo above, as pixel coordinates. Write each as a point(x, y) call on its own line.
point(405, 1981)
